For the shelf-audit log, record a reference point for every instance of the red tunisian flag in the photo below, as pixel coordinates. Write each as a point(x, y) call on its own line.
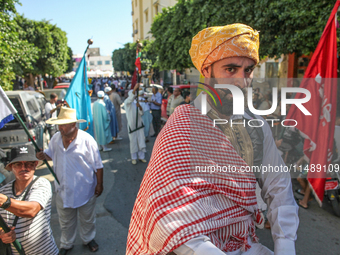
point(318, 128)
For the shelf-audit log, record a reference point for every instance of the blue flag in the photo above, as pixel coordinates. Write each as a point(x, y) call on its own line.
point(78, 97)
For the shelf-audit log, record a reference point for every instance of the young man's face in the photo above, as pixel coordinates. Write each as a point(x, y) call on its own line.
point(237, 71)
point(54, 100)
point(234, 67)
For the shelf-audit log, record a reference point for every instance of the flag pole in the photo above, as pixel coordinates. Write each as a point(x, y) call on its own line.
point(16, 115)
point(138, 69)
point(89, 42)
point(16, 243)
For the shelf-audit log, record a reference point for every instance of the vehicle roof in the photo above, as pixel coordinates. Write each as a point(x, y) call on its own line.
point(55, 89)
point(63, 83)
point(20, 93)
point(35, 93)
point(62, 86)
point(181, 86)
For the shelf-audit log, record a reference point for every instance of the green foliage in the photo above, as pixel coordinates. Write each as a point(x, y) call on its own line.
point(14, 52)
point(28, 46)
point(70, 61)
point(52, 44)
point(285, 26)
point(123, 59)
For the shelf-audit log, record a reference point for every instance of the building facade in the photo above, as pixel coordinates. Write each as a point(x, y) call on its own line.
point(143, 13)
point(94, 61)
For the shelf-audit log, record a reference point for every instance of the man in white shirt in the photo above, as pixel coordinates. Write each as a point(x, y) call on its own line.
point(51, 111)
point(78, 166)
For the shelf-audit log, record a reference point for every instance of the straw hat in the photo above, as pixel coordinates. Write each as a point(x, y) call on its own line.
point(66, 116)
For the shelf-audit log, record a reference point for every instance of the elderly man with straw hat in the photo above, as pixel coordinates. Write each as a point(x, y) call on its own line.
point(78, 166)
point(198, 195)
point(25, 205)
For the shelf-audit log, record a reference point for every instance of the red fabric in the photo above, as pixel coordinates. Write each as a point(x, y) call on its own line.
point(138, 65)
point(134, 79)
point(319, 127)
point(176, 202)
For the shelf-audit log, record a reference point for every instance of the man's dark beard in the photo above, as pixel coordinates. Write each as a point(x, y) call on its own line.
point(227, 104)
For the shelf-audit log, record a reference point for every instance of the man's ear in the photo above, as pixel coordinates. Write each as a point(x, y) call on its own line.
point(207, 72)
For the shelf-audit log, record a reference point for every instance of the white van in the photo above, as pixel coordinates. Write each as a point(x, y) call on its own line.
point(13, 134)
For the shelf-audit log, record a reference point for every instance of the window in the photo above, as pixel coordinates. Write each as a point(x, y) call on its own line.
point(91, 63)
point(156, 9)
point(146, 15)
point(107, 62)
point(32, 107)
point(136, 3)
point(99, 63)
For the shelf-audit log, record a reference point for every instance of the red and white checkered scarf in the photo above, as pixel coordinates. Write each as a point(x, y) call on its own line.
point(176, 202)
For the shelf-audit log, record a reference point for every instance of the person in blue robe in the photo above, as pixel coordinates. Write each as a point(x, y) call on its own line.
point(101, 120)
point(110, 108)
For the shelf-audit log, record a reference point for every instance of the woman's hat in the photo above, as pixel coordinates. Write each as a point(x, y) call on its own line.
point(66, 116)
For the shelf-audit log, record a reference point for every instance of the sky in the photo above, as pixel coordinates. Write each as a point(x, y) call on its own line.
point(107, 22)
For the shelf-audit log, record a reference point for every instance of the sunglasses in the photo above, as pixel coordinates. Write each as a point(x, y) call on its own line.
point(28, 165)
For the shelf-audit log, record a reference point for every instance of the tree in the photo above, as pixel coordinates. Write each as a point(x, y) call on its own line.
point(123, 59)
point(13, 51)
point(51, 42)
point(70, 61)
point(285, 26)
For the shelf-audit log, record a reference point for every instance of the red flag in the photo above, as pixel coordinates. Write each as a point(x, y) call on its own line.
point(134, 79)
point(319, 127)
point(138, 65)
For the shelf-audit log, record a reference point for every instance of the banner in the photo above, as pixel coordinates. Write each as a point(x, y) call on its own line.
point(318, 128)
point(78, 97)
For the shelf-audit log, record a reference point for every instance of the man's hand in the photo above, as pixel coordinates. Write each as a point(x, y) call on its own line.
point(98, 190)
point(8, 237)
point(42, 156)
point(135, 88)
point(278, 143)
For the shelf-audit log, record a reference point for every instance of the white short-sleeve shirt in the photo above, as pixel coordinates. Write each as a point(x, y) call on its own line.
point(75, 168)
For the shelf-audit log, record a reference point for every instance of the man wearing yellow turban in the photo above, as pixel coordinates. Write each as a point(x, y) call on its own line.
point(194, 198)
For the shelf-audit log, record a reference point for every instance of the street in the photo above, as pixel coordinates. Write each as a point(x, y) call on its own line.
point(318, 233)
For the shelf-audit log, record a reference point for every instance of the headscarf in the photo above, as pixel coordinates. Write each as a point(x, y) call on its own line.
point(216, 43)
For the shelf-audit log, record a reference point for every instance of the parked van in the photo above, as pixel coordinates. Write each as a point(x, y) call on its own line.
point(13, 134)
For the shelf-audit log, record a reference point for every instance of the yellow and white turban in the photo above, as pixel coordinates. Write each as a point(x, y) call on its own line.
point(215, 43)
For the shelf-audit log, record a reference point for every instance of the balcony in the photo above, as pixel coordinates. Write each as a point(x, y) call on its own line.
point(132, 13)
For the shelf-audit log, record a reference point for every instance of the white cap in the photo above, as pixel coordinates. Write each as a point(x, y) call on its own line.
point(100, 93)
point(107, 89)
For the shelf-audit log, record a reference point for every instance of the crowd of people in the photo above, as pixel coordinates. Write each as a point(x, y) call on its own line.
point(178, 209)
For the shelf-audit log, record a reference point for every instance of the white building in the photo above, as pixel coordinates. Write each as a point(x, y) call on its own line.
point(94, 61)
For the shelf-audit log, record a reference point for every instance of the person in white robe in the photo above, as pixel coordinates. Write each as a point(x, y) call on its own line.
point(147, 117)
point(136, 132)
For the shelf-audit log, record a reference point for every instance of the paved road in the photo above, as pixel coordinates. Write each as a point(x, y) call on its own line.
point(319, 230)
